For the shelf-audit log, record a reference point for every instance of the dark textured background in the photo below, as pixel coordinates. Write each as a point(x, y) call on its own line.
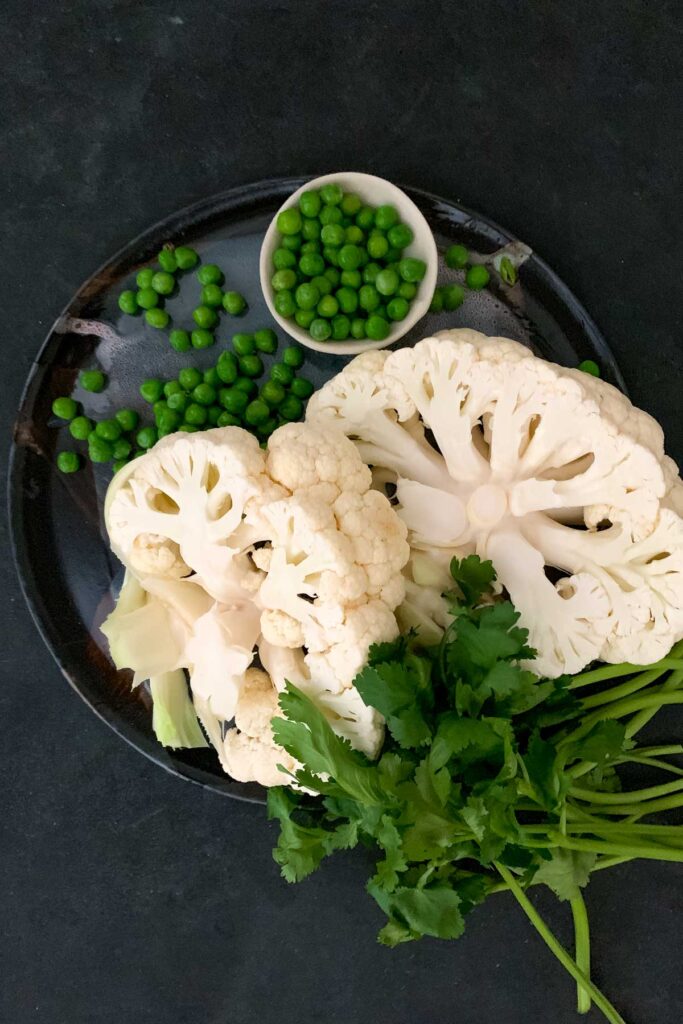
point(127, 895)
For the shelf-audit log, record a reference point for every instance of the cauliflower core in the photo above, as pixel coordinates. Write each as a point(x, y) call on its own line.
point(230, 549)
point(552, 475)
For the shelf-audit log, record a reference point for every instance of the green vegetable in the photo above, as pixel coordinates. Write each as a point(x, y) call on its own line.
point(205, 316)
point(180, 340)
point(310, 230)
point(477, 277)
point(284, 304)
point(244, 344)
point(195, 415)
point(189, 377)
point(293, 356)
point(212, 295)
point(210, 274)
point(320, 329)
point(152, 389)
point(350, 204)
point(378, 246)
point(247, 385)
point(121, 449)
point(147, 437)
point(119, 464)
point(128, 302)
point(365, 218)
point(590, 366)
point(283, 258)
point(163, 283)
point(453, 296)
point(291, 242)
point(398, 308)
point(257, 412)
point(292, 408)
point(400, 236)
point(387, 282)
point(351, 279)
point(437, 303)
point(68, 462)
point(266, 340)
point(204, 394)
point(234, 303)
point(368, 298)
point(328, 306)
point(272, 393)
point(158, 318)
point(341, 327)
point(143, 278)
point(167, 260)
point(233, 400)
point(250, 365)
point(226, 419)
point(508, 271)
point(65, 408)
point(211, 377)
point(307, 296)
point(385, 217)
point(304, 317)
point(330, 215)
point(186, 258)
point(282, 279)
point(92, 380)
point(490, 778)
point(407, 290)
point(110, 430)
point(226, 368)
point(289, 221)
point(350, 257)
point(331, 194)
point(311, 264)
point(178, 401)
point(202, 338)
point(310, 203)
point(174, 719)
point(301, 387)
point(127, 419)
point(147, 298)
point(457, 257)
point(412, 270)
point(358, 328)
point(332, 234)
point(377, 328)
point(81, 427)
point(99, 450)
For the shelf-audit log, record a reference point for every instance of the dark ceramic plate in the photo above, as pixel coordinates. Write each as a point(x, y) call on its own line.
point(67, 571)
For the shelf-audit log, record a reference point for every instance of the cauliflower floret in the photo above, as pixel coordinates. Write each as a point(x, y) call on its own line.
point(299, 459)
point(249, 750)
point(532, 466)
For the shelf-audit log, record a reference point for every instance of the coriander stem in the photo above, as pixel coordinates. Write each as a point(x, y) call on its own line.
point(607, 672)
point(610, 862)
point(638, 682)
point(592, 796)
point(672, 748)
point(646, 714)
point(621, 708)
point(651, 762)
point(601, 1001)
point(582, 950)
point(646, 851)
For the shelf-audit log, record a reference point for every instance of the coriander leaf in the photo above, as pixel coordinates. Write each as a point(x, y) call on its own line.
point(602, 744)
point(428, 833)
point(409, 728)
point(434, 786)
point(539, 761)
point(299, 850)
point(454, 734)
point(393, 933)
point(386, 687)
point(391, 650)
point(473, 576)
point(566, 872)
point(387, 870)
point(431, 911)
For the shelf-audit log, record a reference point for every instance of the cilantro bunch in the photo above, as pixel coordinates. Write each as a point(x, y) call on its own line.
point(490, 778)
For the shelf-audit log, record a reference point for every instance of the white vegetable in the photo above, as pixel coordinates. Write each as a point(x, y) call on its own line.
point(532, 467)
point(249, 750)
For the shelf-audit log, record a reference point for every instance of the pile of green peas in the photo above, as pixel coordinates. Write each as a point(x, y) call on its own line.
point(154, 285)
point(476, 276)
point(339, 270)
point(227, 394)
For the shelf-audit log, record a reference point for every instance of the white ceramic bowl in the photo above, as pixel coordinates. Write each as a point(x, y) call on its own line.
point(375, 192)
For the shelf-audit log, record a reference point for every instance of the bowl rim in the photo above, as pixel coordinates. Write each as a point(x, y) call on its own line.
point(423, 237)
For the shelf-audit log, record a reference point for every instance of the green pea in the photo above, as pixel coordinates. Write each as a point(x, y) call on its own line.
point(204, 394)
point(350, 204)
point(159, 407)
point(201, 338)
point(158, 318)
point(332, 234)
point(152, 389)
point(257, 412)
point(370, 272)
point(284, 304)
point(226, 419)
point(210, 274)
point(331, 256)
point(127, 418)
point(301, 387)
point(250, 366)
point(347, 299)
point(330, 215)
point(310, 230)
point(331, 194)
point(385, 217)
point(591, 367)
point(244, 344)
point(122, 448)
point(247, 385)
point(436, 305)
point(211, 295)
point(349, 257)
point(65, 408)
point(310, 202)
point(171, 387)
point(215, 412)
point(381, 311)
point(477, 277)
point(143, 278)
point(266, 340)
point(311, 264)
point(92, 380)
point(282, 279)
point(398, 308)
point(180, 340)
point(178, 401)
point(387, 282)
point(99, 450)
point(147, 437)
point(307, 296)
point(400, 236)
point(147, 298)
point(226, 368)
point(189, 377)
point(333, 276)
point(368, 298)
point(351, 279)
point(365, 218)
point(168, 422)
point(322, 283)
point(283, 259)
point(453, 296)
point(128, 303)
point(211, 377)
point(357, 330)
point(163, 283)
point(282, 373)
point(312, 246)
point(341, 327)
point(186, 258)
point(205, 317)
point(457, 257)
point(407, 290)
point(289, 221)
point(81, 427)
point(328, 306)
point(378, 246)
point(272, 393)
point(119, 464)
point(293, 355)
point(292, 408)
point(304, 317)
point(234, 400)
point(68, 462)
point(167, 261)
point(195, 414)
point(234, 303)
point(188, 428)
point(320, 329)
point(110, 430)
point(412, 270)
point(377, 328)
point(291, 242)
point(353, 235)
point(264, 430)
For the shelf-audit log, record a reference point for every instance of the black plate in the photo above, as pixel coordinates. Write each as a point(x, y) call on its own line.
point(66, 569)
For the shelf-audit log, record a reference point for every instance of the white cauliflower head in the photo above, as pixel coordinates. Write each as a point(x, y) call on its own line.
point(497, 452)
point(249, 751)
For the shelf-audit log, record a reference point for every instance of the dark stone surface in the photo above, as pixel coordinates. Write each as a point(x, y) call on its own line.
point(126, 894)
